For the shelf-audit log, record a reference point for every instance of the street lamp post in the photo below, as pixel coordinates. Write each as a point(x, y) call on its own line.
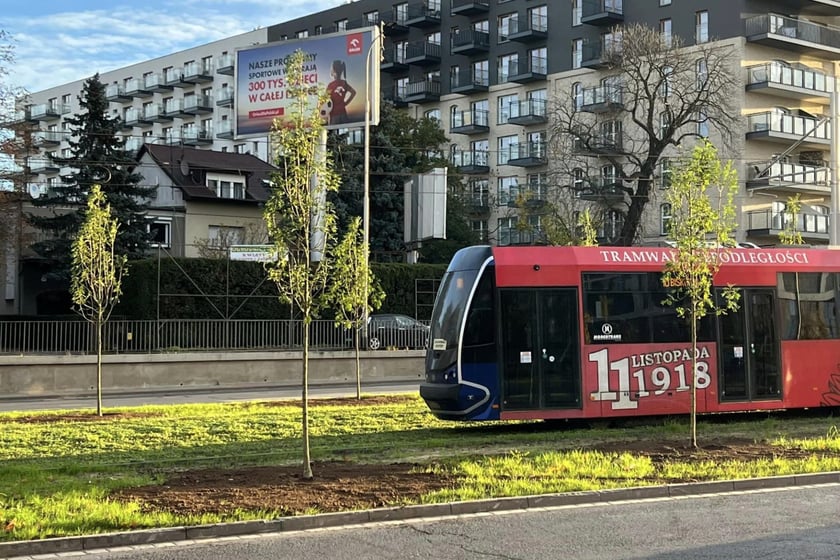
point(377, 39)
point(834, 166)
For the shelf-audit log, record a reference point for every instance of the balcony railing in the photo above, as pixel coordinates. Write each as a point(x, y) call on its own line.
point(771, 222)
point(474, 118)
point(471, 158)
point(777, 74)
point(47, 111)
point(601, 98)
point(782, 123)
point(788, 175)
point(793, 34)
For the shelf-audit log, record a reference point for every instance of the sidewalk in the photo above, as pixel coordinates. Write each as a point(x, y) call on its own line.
point(60, 546)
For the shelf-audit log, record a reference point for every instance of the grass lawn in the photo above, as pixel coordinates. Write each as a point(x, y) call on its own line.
point(58, 470)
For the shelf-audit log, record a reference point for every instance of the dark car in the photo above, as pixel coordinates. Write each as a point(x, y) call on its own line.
point(392, 330)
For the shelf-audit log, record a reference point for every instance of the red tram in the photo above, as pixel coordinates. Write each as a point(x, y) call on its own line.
point(582, 332)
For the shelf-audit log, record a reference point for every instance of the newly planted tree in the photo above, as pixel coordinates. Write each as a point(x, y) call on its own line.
point(96, 272)
point(358, 293)
point(701, 226)
point(299, 219)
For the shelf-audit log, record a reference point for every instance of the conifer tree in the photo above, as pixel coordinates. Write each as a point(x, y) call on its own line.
point(97, 156)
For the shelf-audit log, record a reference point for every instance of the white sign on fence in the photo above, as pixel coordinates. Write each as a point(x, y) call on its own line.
point(252, 253)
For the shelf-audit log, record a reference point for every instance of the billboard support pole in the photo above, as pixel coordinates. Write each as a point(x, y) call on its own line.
point(377, 38)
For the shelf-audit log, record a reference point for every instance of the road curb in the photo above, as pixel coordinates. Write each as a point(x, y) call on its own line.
point(10, 550)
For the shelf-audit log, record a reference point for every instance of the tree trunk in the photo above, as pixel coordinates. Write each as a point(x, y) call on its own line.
point(693, 419)
point(99, 367)
point(633, 219)
point(358, 366)
point(307, 465)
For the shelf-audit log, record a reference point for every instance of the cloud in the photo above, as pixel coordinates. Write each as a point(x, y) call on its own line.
point(62, 47)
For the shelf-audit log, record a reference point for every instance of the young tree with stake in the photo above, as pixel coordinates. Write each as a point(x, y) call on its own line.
point(702, 221)
point(96, 272)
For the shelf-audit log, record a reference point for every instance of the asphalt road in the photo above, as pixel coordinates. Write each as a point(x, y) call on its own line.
point(800, 523)
point(201, 396)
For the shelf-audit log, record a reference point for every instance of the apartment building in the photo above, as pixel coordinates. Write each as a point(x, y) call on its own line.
point(489, 71)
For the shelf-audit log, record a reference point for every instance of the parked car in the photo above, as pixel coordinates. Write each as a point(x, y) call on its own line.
point(392, 330)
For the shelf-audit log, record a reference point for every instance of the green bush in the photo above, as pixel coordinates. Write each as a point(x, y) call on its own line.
point(215, 289)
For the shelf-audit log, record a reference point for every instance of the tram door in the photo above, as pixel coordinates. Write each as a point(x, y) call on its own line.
point(539, 349)
point(749, 349)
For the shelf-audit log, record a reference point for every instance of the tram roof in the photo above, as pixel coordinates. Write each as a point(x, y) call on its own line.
point(546, 266)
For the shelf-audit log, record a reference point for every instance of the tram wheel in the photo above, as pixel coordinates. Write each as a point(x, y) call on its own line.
point(373, 343)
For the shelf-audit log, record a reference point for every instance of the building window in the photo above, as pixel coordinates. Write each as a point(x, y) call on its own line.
point(665, 31)
point(302, 34)
point(227, 186)
point(577, 95)
point(504, 23)
point(664, 219)
point(664, 2)
point(702, 124)
point(372, 18)
point(482, 26)
point(401, 12)
point(702, 70)
point(538, 60)
point(507, 145)
point(481, 72)
point(508, 231)
point(577, 53)
point(160, 232)
point(664, 123)
point(701, 27)
point(508, 191)
point(666, 173)
point(433, 38)
point(578, 181)
point(480, 229)
point(508, 66)
point(341, 25)
point(318, 30)
point(577, 12)
point(508, 106)
point(432, 114)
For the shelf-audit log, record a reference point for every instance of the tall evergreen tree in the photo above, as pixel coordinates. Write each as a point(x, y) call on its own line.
point(97, 155)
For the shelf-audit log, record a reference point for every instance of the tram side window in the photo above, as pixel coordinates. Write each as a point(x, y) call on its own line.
point(809, 306)
point(622, 308)
point(480, 325)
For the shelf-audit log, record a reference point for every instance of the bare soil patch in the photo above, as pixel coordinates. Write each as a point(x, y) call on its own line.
point(343, 486)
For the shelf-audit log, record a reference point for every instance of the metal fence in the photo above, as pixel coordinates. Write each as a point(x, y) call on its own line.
point(170, 335)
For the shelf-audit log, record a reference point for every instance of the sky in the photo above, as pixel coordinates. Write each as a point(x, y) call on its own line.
point(60, 41)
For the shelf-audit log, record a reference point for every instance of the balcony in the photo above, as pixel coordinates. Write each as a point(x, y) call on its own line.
point(132, 117)
point(48, 111)
point(116, 92)
point(789, 177)
point(197, 104)
point(469, 7)
point(371, 20)
point(478, 204)
point(393, 61)
point(606, 190)
point(155, 113)
point(527, 112)
point(604, 13)
point(610, 144)
point(474, 121)
point(782, 80)
point(601, 99)
point(224, 65)
point(769, 223)
point(43, 165)
point(174, 78)
point(133, 145)
point(423, 14)
point(397, 95)
point(425, 91)
point(469, 42)
point(600, 54)
point(156, 83)
point(528, 154)
point(534, 70)
point(804, 37)
point(528, 30)
point(511, 236)
point(198, 72)
point(47, 138)
point(393, 25)
point(469, 84)
point(776, 126)
point(225, 130)
point(422, 53)
point(174, 108)
point(195, 136)
point(471, 162)
point(224, 97)
point(136, 87)
point(817, 7)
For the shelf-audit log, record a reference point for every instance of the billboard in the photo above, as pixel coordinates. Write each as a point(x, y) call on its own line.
point(336, 62)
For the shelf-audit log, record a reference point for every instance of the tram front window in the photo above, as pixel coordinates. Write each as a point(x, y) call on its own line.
point(450, 306)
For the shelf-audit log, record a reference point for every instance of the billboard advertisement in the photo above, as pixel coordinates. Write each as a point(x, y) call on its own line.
point(335, 62)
